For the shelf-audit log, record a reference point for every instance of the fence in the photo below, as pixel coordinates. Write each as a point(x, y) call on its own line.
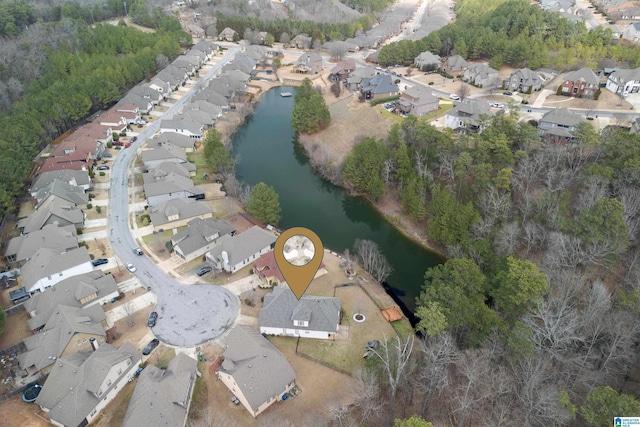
point(17, 348)
point(15, 309)
point(313, 359)
point(18, 391)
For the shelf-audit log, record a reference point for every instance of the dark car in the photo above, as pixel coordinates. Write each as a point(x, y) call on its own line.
point(150, 347)
point(99, 261)
point(151, 322)
point(134, 139)
point(507, 93)
point(103, 168)
point(204, 270)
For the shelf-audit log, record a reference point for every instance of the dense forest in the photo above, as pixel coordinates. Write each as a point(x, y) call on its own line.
point(55, 74)
point(518, 33)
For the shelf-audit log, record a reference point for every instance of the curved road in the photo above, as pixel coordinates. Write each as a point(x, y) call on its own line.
point(189, 315)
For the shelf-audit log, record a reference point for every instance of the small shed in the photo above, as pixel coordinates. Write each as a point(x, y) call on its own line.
point(392, 313)
point(19, 295)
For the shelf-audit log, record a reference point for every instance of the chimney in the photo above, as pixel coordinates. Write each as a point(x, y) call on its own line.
point(94, 343)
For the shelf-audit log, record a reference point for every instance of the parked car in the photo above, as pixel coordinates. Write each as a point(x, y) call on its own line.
point(131, 267)
point(138, 251)
point(454, 97)
point(134, 138)
point(103, 168)
point(107, 155)
point(204, 270)
point(127, 145)
point(99, 261)
point(507, 93)
point(235, 400)
point(153, 317)
point(150, 347)
point(137, 373)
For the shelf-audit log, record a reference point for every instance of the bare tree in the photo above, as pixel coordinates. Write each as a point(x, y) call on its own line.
point(506, 241)
point(437, 355)
point(366, 392)
point(463, 90)
point(245, 195)
point(372, 259)
point(338, 50)
point(339, 412)
point(129, 309)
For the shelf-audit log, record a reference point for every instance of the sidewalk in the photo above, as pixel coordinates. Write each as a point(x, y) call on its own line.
point(130, 307)
point(243, 285)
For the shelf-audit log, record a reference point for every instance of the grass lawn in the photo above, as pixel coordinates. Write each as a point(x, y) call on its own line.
point(346, 355)
point(137, 180)
point(200, 395)
point(154, 237)
point(163, 356)
point(201, 168)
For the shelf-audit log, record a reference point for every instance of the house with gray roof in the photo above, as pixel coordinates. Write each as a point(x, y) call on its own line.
point(83, 290)
point(174, 139)
point(308, 63)
point(173, 186)
point(354, 81)
point(146, 92)
point(177, 213)
point(468, 115)
point(61, 190)
point(301, 41)
point(417, 100)
point(68, 331)
point(234, 252)
point(427, 61)
point(183, 126)
point(256, 53)
point(168, 153)
point(624, 81)
point(228, 35)
point(454, 65)
point(173, 75)
point(163, 170)
point(162, 86)
point(632, 32)
point(47, 267)
point(523, 80)
point(200, 236)
point(205, 119)
point(144, 105)
point(58, 212)
point(254, 370)
point(241, 63)
point(557, 126)
point(202, 105)
point(373, 56)
point(481, 75)
point(190, 64)
point(211, 97)
point(167, 391)
point(77, 178)
point(80, 386)
point(207, 47)
point(582, 83)
point(59, 239)
point(308, 317)
point(379, 86)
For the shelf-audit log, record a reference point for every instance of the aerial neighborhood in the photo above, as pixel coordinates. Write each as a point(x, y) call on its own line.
point(140, 288)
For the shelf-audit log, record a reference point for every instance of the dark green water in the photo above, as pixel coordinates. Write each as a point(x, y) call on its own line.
point(267, 152)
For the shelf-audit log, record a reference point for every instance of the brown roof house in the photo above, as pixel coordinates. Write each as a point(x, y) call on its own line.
point(342, 70)
point(254, 370)
point(523, 80)
point(308, 317)
point(200, 236)
point(481, 75)
point(582, 83)
point(270, 275)
point(454, 65)
point(557, 125)
point(83, 384)
point(417, 100)
point(162, 396)
point(308, 63)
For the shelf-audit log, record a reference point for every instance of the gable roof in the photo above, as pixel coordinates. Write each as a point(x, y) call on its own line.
point(561, 116)
point(281, 308)
point(184, 208)
point(625, 75)
point(167, 152)
point(346, 65)
point(380, 83)
point(456, 63)
point(47, 262)
point(163, 170)
point(50, 236)
point(161, 397)
point(258, 368)
point(182, 123)
point(64, 191)
point(266, 266)
point(241, 246)
point(57, 208)
point(585, 74)
point(307, 59)
point(212, 97)
point(206, 106)
point(69, 391)
point(68, 292)
point(199, 233)
point(421, 94)
point(426, 58)
point(172, 138)
point(172, 183)
point(528, 77)
point(73, 177)
point(482, 70)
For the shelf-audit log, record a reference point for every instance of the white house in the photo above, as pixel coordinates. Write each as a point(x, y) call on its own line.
point(234, 252)
point(47, 267)
point(183, 126)
point(308, 317)
point(624, 81)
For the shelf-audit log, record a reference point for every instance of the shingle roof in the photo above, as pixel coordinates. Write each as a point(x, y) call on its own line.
point(57, 208)
point(585, 74)
point(50, 236)
point(427, 58)
point(47, 262)
point(561, 116)
point(258, 368)
point(161, 397)
point(74, 177)
point(241, 246)
point(163, 170)
point(173, 183)
point(167, 152)
point(63, 190)
point(184, 208)
point(380, 83)
point(182, 123)
point(281, 308)
point(199, 233)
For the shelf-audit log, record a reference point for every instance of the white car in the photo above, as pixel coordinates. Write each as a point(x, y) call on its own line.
point(131, 267)
point(454, 97)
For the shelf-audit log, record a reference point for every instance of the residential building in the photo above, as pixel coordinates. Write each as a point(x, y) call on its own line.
point(207, 47)
point(174, 139)
point(624, 81)
point(523, 80)
point(207, 121)
point(242, 63)
point(254, 370)
point(173, 186)
point(77, 178)
point(427, 61)
point(141, 104)
point(557, 125)
point(177, 213)
point(632, 32)
point(308, 317)
point(59, 239)
point(58, 212)
point(195, 30)
point(47, 267)
point(167, 154)
point(183, 126)
point(234, 252)
point(468, 115)
point(354, 81)
point(417, 100)
point(165, 169)
point(147, 93)
point(83, 290)
point(213, 110)
point(80, 386)
point(342, 69)
point(200, 236)
point(379, 86)
point(162, 86)
point(79, 150)
point(228, 35)
point(162, 396)
point(373, 56)
point(301, 41)
point(60, 190)
point(582, 83)
point(454, 65)
point(481, 75)
point(68, 330)
point(270, 275)
point(211, 97)
point(308, 63)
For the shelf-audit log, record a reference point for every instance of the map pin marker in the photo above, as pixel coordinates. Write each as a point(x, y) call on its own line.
point(298, 253)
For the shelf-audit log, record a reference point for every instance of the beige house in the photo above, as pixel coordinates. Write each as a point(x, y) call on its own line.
point(255, 371)
point(177, 213)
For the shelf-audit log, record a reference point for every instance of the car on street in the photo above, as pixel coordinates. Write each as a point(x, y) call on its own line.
point(138, 251)
point(454, 97)
point(507, 93)
point(153, 317)
point(150, 347)
point(131, 267)
point(103, 168)
point(134, 138)
point(127, 145)
point(204, 270)
point(99, 261)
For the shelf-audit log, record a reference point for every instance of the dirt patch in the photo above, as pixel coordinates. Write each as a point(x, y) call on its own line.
point(15, 329)
point(113, 414)
point(136, 333)
point(16, 413)
point(99, 248)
